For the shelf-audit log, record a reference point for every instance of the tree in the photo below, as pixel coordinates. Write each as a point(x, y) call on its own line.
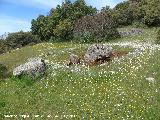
point(3, 46)
point(104, 9)
point(122, 13)
point(60, 21)
point(152, 12)
point(63, 30)
point(135, 1)
point(142, 11)
point(39, 27)
point(99, 26)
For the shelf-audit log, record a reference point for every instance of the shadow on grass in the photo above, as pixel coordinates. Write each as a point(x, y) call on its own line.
point(4, 72)
point(25, 80)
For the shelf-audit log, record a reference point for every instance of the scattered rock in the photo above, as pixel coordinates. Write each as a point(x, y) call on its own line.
point(98, 53)
point(131, 32)
point(33, 67)
point(73, 59)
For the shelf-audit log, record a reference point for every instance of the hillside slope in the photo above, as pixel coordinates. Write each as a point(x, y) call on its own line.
point(124, 88)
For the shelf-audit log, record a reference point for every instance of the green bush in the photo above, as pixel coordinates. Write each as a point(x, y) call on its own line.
point(18, 40)
point(3, 71)
point(86, 38)
point(23, 80)
point(158, 37)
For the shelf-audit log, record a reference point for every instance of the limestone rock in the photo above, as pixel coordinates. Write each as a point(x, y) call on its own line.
point(131, 32)
point(98, 52)
point(33, 67)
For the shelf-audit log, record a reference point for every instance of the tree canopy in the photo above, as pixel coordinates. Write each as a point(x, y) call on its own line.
point(143, 11)
point(58, 24)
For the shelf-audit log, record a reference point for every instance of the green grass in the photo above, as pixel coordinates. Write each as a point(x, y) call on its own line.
point(116, 90)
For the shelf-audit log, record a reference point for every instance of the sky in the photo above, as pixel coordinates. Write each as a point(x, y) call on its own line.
point(16, 15)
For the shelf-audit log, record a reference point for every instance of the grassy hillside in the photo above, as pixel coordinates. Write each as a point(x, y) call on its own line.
point(124, 88)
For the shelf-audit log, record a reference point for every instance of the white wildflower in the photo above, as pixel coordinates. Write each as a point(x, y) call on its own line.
point(151, 80)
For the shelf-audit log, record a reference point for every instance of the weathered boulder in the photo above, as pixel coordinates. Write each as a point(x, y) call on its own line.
point(74, 59)
point(33, 67)
point(98, 52)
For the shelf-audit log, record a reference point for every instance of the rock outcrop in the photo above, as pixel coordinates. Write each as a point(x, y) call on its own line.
point(98, 53)
point(33, 67)
point(131, 32)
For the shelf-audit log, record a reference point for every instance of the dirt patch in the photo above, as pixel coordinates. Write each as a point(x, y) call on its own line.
point(115, 54)
point(119, 54)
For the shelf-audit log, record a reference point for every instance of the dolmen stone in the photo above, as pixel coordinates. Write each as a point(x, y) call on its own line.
point(97, 53)
point(33, 67)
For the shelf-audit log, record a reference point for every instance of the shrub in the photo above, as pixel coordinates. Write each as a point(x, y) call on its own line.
point(100, 26)
point(20, 39)
point(3, 71)
point(23, 80)
point(86, 38)
point(158, 37)
point(17, 40)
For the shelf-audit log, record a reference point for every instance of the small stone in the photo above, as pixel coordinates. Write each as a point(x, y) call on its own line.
point(73, 59)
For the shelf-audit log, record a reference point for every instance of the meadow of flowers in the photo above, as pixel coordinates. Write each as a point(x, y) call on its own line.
point(126, 88)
